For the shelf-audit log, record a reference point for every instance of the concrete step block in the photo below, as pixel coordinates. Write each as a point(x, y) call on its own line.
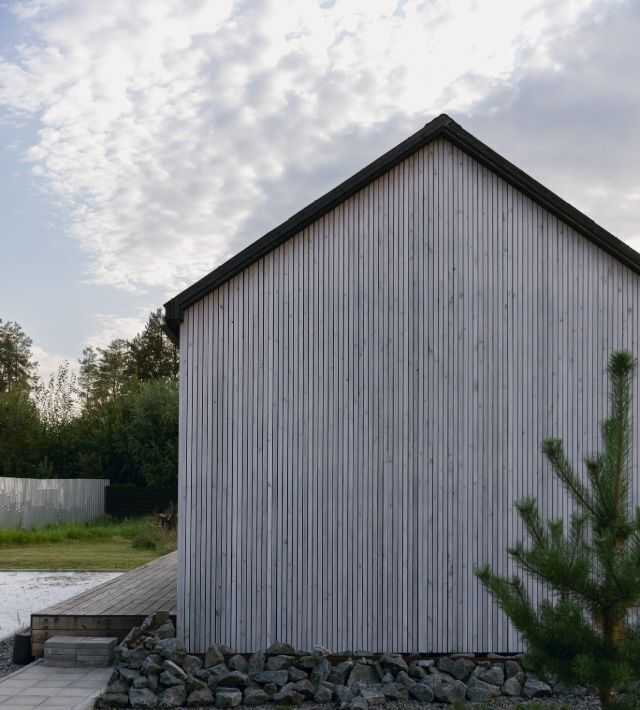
point(102, 663)
point(59, 662)
point(62, 642)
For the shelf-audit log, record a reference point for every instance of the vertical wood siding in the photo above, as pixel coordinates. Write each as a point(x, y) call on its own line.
point(361, 407)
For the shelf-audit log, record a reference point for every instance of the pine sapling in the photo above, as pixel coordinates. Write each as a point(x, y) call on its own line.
point(583, 634)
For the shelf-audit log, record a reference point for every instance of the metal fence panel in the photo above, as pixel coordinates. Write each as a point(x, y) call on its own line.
point(34, 502)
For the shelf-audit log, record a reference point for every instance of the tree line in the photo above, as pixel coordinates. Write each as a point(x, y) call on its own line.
point(115, 416)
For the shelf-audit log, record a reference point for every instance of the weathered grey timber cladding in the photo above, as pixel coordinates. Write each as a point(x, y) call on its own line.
point(361, 406)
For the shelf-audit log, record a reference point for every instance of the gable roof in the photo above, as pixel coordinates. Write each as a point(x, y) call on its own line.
point(441, 127)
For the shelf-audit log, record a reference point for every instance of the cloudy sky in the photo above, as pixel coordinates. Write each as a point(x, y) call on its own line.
point(142, 143)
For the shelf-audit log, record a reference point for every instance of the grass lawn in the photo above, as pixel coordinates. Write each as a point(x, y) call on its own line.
point(103, 544)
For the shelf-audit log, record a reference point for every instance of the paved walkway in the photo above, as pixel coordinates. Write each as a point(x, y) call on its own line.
point(35, 686)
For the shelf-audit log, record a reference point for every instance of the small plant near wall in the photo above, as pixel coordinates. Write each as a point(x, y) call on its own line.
point(584, 636)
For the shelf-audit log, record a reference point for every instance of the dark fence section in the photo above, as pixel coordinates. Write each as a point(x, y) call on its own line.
point(127, 501)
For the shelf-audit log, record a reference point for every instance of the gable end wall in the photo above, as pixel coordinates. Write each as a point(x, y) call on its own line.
point(360, 408)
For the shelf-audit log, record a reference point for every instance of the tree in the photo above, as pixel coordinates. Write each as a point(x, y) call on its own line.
point(151, 354)
point(153, 432)
point(58, 409)
point(57, 399)
point(104, 372)
point(20, 434)
point(17, 368)
point(584, 635)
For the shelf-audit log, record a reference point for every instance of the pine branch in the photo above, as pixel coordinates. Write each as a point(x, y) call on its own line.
point(554, 451)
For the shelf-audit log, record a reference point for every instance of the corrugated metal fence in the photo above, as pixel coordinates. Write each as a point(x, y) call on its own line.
point(33, 502)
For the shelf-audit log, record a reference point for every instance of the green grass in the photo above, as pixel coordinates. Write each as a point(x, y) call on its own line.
point(98, 545)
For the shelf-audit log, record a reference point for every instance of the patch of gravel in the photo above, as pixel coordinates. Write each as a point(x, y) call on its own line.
point(589, 702)
point(6, 657)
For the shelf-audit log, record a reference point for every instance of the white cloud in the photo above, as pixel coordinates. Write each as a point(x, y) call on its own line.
point(48, 363)
point(108, 327)
point(175, 132)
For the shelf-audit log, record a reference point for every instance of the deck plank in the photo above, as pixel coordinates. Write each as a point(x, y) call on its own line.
point(117, 605)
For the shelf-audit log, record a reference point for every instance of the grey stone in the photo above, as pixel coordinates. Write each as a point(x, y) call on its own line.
point(512, 687)
point(171, 667)
point(395, 691)
point(117, 687)
point(493, 675)
point(307, 662)
point(167, 678)
point(173, 697)
point(362, 673)
point(133, 657)
point(216, 671)
point(358, 703)
point(372, 696)
point(148, 622)
point(142, 698)
point(342, 694)
point(213, 656)
point(153, 682)
point(278, 648)
point(238, 663)
point(228, 698)
point(425, 663)
point(512, 669)
point(270, 689)
point(574, 691)
point(200, 698)
point(481, 692)
point(306, 687)
point(256, 663)
point(393, 662)
point(171, 649)
point(421, 692)
point(535, 688)
point(232, 679)
point(166, 631)
point(191, 664)
point(321, 671)
point(450, 692)
point(324, 694)
point(404, 679)
point(296, 674)
point(255, 696)
point(280, 678)
point(277, 663)
point(203, 674)
point(460, 668)
point(416, 671)
point(321, 651)
point(340, 672)
point(387, 678)
point(152, 665)
point(194, 683)
point(288, 695)
point(436, 677)
point(140, 682)
point(113, 700)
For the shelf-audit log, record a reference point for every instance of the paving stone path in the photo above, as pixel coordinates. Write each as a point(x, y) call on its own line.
point(35, 686)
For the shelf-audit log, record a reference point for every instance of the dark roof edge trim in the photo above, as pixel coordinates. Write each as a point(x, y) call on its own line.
point(442, 126)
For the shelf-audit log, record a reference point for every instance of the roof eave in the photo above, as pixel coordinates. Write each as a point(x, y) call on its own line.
point(442, 126)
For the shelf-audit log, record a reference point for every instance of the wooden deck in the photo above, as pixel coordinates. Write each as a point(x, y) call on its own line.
point(112, 608)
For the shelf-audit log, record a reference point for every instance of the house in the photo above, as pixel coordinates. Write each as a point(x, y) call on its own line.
point(363, 394)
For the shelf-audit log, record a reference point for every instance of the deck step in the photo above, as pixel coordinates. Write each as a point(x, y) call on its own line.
point(79, 651)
